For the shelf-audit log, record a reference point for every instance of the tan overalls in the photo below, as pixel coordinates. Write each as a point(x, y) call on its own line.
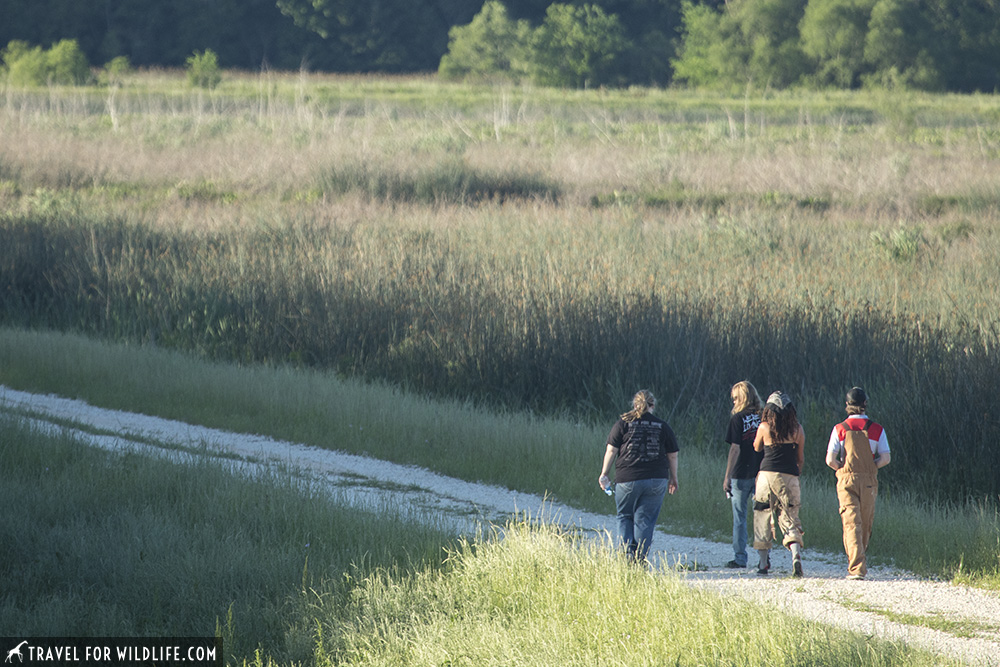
point(857, 488)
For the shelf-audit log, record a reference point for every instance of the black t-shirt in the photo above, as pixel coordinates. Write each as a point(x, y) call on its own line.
point(742, 431)
point(643, 445)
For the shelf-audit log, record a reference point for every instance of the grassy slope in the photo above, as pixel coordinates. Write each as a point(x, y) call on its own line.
point(119, 545)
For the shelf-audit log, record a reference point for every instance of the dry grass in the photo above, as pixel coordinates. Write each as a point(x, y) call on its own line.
point(530, 249)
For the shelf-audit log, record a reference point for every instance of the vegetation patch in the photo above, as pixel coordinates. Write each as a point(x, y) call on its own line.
point(450, 182)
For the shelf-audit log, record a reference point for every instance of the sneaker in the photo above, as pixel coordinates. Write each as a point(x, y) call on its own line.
point(762, 570)
point(797, 567)
point(855, 577)
point(733, 565)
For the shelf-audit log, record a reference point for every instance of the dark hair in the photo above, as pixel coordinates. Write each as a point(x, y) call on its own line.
point(782, 421)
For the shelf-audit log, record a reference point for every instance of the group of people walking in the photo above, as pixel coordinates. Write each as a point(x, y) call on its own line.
point(766, 455)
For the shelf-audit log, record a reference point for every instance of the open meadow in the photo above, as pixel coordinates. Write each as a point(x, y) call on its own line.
point(532, 257)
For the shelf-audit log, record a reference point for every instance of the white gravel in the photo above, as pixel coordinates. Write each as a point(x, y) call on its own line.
point(822, 595)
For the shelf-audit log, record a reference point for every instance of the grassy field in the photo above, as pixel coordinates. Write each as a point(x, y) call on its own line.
point(529, 250)
point(296, 255)
point(121, 545)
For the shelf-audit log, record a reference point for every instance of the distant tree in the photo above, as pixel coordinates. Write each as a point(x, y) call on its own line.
point(577, 46)
point(117, 69)
point(753, 42)
point(902, 46)
point(203, 69)
point(63, 64)
point(833, 34)
point(491, 45)
point(67, 64)
point(387, 36)
point(709, 54)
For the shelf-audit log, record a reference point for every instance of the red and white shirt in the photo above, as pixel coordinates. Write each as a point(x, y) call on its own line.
point(876, 436)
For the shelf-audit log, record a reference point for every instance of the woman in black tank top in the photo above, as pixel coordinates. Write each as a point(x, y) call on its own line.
point(781, 438)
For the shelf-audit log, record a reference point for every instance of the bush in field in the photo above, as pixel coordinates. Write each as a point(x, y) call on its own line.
point(491, 45)
point(63, 64)
point(203, 69)
point(117, 69)
point(576, 47)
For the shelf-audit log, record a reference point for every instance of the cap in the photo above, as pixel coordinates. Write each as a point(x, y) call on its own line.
point(779, 399)
point(856, 396)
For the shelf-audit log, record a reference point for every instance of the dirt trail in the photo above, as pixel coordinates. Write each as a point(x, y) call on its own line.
point(892, 604)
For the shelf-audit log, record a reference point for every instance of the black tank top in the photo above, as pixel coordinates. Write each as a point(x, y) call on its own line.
point(780, 457)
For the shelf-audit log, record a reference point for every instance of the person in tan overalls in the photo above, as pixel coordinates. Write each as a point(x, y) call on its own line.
point(857, 449)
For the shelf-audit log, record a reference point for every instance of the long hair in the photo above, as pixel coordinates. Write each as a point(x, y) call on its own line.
point(783, 422)
point(745, 397)
point(642, 402)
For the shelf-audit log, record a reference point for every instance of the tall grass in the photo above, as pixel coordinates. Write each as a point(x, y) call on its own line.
point(531, 252)
point(553, 457)
point(541, 598)
point(116, 544)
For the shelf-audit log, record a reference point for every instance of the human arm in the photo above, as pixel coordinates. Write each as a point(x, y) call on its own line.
point(882, 460)
point(833, 449)
point(800, 454)
point(672, 484)
point(734, 452)
point(758, 441)
point(882, 455)
point(609, 458)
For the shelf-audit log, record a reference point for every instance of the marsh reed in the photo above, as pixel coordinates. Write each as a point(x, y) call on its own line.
point(552, 257)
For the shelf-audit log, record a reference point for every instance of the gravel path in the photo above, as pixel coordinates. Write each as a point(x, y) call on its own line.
point(891, 604)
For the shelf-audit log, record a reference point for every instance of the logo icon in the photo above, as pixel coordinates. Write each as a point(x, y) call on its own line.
point(16, 651)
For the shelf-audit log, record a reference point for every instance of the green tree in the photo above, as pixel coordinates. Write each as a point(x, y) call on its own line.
point(833, 34)
point(67, 64)
point(203, 69)
point(491, 45)
point(387, 36)
point(63, 64)
point(900, 46)
point(709, 54)
point(753, 42)
point(25, 65)
point(576, 46)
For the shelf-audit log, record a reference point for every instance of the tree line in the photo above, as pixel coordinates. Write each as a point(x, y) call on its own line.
point(940, 45)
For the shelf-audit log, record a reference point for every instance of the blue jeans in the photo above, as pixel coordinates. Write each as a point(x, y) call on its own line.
point(638, 505)
point(743, 490)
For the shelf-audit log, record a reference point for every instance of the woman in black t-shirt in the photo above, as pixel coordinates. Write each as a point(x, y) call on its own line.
point(742, 464)
point(643, 449)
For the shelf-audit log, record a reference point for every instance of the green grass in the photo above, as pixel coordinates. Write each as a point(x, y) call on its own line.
point(965, 628)
point(123, 545)
point(515, 450)
point(539, 597)
point(116, 544)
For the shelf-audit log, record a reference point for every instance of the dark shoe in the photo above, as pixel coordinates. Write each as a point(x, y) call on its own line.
point(733, 565)
point(762, 570)
point(797, 567)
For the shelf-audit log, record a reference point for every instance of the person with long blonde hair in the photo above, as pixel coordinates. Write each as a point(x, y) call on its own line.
point(643, 449)
point(782, 440)
point(742, 463)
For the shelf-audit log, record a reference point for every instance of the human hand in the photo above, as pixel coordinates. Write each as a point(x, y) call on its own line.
point(671, 487)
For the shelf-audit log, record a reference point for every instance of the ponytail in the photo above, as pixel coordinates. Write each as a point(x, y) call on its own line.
point(642, 402)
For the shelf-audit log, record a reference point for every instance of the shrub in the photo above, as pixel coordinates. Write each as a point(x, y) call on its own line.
point(577, 46)
point(203, 69)
point(492, 44)
point(117, 69)
point(63, 64)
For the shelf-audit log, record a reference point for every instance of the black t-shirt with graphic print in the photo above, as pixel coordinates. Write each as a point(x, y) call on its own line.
point(643, 445)
point(742, 431)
